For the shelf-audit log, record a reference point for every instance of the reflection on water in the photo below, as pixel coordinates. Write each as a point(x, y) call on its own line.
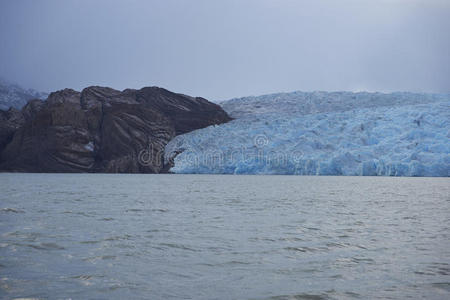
point(92, 236)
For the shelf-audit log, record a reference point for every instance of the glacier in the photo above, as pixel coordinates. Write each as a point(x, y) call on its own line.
point(322, 133)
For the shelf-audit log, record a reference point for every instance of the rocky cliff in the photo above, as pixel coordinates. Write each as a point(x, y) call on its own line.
point(100, 130)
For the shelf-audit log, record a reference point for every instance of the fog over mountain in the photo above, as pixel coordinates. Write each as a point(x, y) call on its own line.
point(225, 49)
point(13, 95)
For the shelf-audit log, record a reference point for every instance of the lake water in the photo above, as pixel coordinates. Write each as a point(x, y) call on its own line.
point(95, 236)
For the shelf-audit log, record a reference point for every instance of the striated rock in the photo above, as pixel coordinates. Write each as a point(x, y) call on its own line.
point(184, 111)
point(10, 121)
point(32, 108)
point(100, 130)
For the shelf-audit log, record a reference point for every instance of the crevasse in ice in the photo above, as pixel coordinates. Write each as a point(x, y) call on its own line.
point(322, 133)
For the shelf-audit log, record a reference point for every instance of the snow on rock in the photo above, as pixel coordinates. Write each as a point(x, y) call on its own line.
point(12, 95)
point(319, 133)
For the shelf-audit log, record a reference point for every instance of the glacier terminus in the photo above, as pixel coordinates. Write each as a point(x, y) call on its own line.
point(323, 133)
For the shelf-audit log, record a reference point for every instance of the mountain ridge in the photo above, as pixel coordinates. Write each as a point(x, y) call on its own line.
point(13, 95)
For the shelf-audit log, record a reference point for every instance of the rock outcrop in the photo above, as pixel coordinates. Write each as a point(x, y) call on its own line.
point(100, 130)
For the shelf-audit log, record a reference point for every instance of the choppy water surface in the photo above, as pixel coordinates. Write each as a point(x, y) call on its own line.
point(223, 237)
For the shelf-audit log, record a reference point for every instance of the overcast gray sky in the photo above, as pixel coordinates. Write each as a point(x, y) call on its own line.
point(228, 48)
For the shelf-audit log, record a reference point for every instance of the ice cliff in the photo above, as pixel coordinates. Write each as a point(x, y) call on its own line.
point(321, 133)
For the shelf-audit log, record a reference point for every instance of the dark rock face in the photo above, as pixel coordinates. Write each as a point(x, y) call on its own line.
point(100, 130)
point(10, 121)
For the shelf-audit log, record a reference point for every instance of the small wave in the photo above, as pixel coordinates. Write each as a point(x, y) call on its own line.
point(442, 285)
point(337, 245)
point(177, 246)
point(82, 277)
point(89, 242)
point(435, 269)
point(118, 237)
point(301, 249)
point(85, 279)
point(25, 236)
point(80, 213)
point(160, 210)
point(153, 231)
point(303, 296)
point(363, 260)
point(312, 228)
point(296, 271)
point(256, 239)
point(236, 262)
point(46, 246)
point(343, 236)
point(100, 257)
point(292, 239)
point(12, 210)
